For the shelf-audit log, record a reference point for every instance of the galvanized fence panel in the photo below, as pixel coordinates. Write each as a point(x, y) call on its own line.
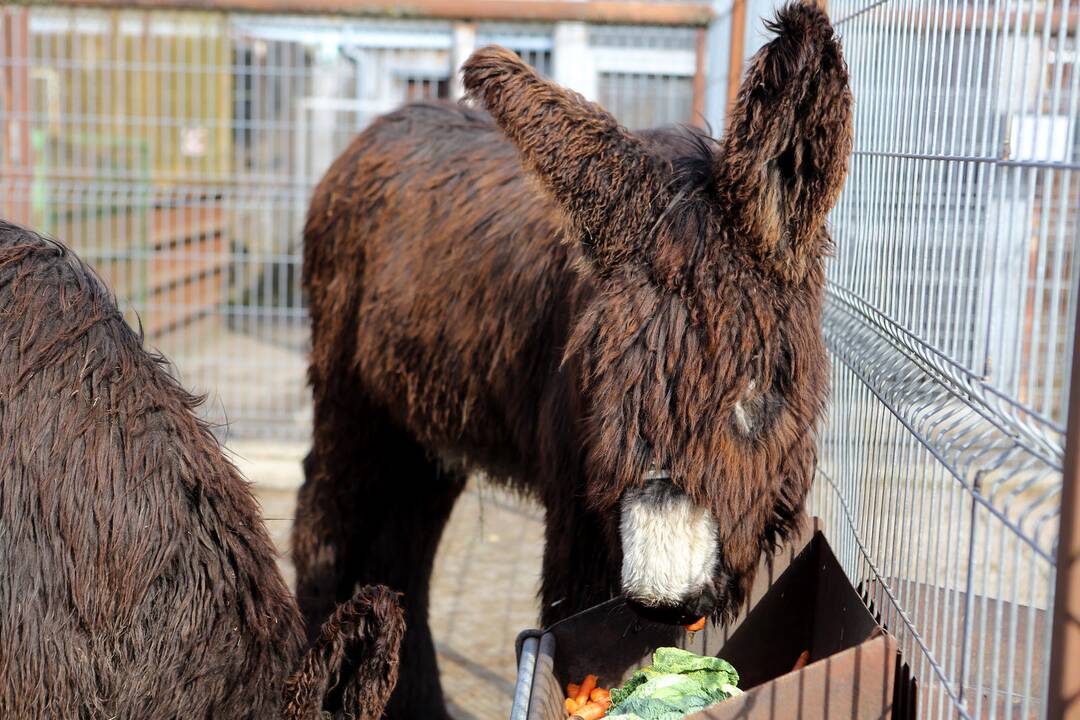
point(645, 77)
point(949, 316)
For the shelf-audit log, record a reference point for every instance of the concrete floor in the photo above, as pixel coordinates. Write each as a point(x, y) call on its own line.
point(484, 585)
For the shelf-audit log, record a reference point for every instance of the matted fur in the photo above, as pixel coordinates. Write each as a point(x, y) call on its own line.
point(138, 579)
point(624, 301)
point(368, 628)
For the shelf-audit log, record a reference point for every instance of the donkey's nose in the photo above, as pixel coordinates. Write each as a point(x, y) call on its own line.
point(703, 604)
point(682, 612)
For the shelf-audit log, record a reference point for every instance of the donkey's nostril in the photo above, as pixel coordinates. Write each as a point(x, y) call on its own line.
point(666, 614)
point(678, 612)
point(704, 604)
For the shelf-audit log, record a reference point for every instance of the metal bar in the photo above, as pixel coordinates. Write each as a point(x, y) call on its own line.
point(634, 12)
point(968, 18)
point(1001, 162)
point(736, 51)
point(1064, 701)
point(700, 59)
point(530, 646)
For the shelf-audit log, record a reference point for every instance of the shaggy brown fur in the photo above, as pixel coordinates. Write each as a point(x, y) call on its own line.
point(366, 630)
point(570, 327)
point(138, 579)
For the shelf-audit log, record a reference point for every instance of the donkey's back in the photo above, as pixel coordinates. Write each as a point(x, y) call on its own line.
point(138, 577)
point(436, 269)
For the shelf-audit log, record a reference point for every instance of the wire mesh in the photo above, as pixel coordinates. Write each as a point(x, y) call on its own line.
point(645, 77)
point(177, 150)
point(949, 315)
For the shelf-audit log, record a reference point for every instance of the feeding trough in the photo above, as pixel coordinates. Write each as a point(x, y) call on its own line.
point(803, 602)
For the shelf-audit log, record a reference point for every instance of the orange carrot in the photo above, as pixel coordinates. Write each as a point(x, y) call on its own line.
point(696, 625)
point(572, 690)
point(571, 706)
point(804, 657)
point(587, 686)
point(599, 695)
point(590, 711)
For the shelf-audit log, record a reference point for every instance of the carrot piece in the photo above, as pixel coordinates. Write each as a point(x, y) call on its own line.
point(572, 690)
point(587, 686)
point(599, 694)
point(696, 625)
point(590, 711)
point(571, 706)
point(804, 657)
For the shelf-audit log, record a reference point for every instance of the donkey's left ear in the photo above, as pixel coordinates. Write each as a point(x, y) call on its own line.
point(784, 155)
point(599, 173)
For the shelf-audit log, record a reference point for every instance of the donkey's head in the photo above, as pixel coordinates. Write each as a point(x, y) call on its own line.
point(700, 253)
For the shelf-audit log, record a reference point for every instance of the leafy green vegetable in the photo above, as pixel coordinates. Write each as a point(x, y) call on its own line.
point(677, 684)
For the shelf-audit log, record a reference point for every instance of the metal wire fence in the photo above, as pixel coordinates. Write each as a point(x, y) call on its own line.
point(949, 315)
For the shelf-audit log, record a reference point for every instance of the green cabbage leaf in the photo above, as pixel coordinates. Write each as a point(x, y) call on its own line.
point(678, 683)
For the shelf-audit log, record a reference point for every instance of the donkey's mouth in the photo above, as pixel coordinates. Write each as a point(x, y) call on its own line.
point(682, 614)
point(670, 553)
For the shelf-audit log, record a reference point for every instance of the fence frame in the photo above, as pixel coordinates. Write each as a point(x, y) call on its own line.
point(1064, 696)
point(635, 12)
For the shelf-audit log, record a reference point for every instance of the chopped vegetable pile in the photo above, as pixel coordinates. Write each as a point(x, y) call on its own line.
point(677, 684)
point(586, 701)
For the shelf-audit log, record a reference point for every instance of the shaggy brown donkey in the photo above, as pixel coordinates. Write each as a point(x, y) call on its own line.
point(626, 326)
point(137, 578)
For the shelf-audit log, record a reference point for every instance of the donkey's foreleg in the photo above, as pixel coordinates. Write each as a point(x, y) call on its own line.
point(581, 559)
point(371, 511)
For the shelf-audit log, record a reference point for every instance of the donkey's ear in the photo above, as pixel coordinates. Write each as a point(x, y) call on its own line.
point(784, 155)
point(600, 173)
point(351, 669)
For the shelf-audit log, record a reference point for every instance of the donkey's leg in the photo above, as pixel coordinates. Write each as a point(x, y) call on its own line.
point(581, 562)
point(371, 511)
point(327, 531)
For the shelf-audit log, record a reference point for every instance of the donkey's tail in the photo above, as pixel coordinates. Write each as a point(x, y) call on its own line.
point(351, 669)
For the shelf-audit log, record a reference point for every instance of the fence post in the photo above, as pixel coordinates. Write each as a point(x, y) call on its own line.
point(697, 115)
point(735, 54)
point(719, 60)
point(1064, 700)
point(464, 42)
point(15, 148)
point(573, 64)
